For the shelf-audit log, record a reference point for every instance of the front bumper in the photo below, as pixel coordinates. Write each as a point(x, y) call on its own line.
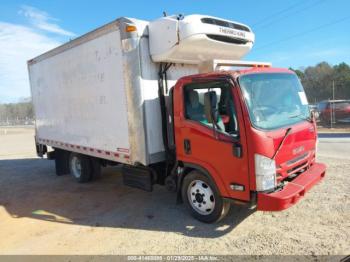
point(293, 191)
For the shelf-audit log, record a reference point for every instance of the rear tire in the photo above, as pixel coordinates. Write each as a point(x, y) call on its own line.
point(80, 167)
point(203, 199)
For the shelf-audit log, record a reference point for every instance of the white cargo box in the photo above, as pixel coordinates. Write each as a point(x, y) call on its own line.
point(98, 95)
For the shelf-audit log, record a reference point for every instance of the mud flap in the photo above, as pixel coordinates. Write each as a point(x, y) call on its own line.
point(61, 162)
point(138, 177)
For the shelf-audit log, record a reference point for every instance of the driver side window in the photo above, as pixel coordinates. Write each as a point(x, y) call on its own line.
point(211, 104)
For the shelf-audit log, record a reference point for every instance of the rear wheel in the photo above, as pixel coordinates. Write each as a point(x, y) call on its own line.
point(80, 167)
point(203, 198)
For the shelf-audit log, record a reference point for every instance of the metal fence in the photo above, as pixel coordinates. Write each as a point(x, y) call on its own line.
point(17, 122)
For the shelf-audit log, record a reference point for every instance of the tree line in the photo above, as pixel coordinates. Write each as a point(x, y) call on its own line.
point(318, 81)
point(16, 113)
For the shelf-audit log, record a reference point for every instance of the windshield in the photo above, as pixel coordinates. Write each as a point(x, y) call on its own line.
point(274, 99)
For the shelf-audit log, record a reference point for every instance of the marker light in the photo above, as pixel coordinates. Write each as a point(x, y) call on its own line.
point(130, 28)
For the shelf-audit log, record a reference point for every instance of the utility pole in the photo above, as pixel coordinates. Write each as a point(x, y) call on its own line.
point(332, 106)
point(333, 102)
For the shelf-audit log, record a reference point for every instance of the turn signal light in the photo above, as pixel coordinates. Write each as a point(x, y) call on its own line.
point(130, 28)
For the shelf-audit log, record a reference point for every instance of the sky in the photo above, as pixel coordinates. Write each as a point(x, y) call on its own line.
point(289, 33)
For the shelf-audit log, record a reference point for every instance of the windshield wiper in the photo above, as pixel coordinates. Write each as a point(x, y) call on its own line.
point(300, 116)
point(283, 139)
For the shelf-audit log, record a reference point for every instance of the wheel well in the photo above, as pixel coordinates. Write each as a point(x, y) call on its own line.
point(187, 168)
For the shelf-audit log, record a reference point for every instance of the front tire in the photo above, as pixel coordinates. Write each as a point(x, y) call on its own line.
point(203, 199)
point(80, 167)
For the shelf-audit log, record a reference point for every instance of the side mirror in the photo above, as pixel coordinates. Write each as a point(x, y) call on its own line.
point(313, 115)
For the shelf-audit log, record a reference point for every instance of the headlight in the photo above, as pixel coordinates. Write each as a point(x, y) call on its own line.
point(265, 173)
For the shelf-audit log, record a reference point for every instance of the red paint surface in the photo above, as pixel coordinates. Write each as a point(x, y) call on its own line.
point(293, 191)
point(217, 156)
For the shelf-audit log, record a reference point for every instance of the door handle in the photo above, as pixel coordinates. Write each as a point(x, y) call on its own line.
point(237, 150)
point(187, 146)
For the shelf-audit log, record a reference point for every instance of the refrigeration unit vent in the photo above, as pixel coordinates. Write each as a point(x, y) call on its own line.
point(223, 23)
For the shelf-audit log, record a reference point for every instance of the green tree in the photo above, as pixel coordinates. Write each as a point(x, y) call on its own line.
point(318, 81)
point(342, 81)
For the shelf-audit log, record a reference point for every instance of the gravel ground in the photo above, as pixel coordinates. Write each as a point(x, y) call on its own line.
point(41, 213)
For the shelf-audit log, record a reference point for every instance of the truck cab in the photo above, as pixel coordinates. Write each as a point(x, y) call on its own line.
point(245, 135)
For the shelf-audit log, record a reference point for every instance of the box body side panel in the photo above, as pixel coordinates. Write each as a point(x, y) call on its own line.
point(79, 95)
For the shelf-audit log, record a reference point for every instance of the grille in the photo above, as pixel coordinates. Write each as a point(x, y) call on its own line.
point(294, 160)
point(218, 22)
point(228, 39)
point(297, 167)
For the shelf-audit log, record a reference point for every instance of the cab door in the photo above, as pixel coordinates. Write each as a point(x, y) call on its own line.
point(218, 146)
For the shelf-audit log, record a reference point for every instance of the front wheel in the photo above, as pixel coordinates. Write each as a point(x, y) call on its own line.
point(203, 198)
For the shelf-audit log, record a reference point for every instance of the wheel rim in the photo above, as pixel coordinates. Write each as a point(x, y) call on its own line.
point(201, 197)
point(76, 166)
